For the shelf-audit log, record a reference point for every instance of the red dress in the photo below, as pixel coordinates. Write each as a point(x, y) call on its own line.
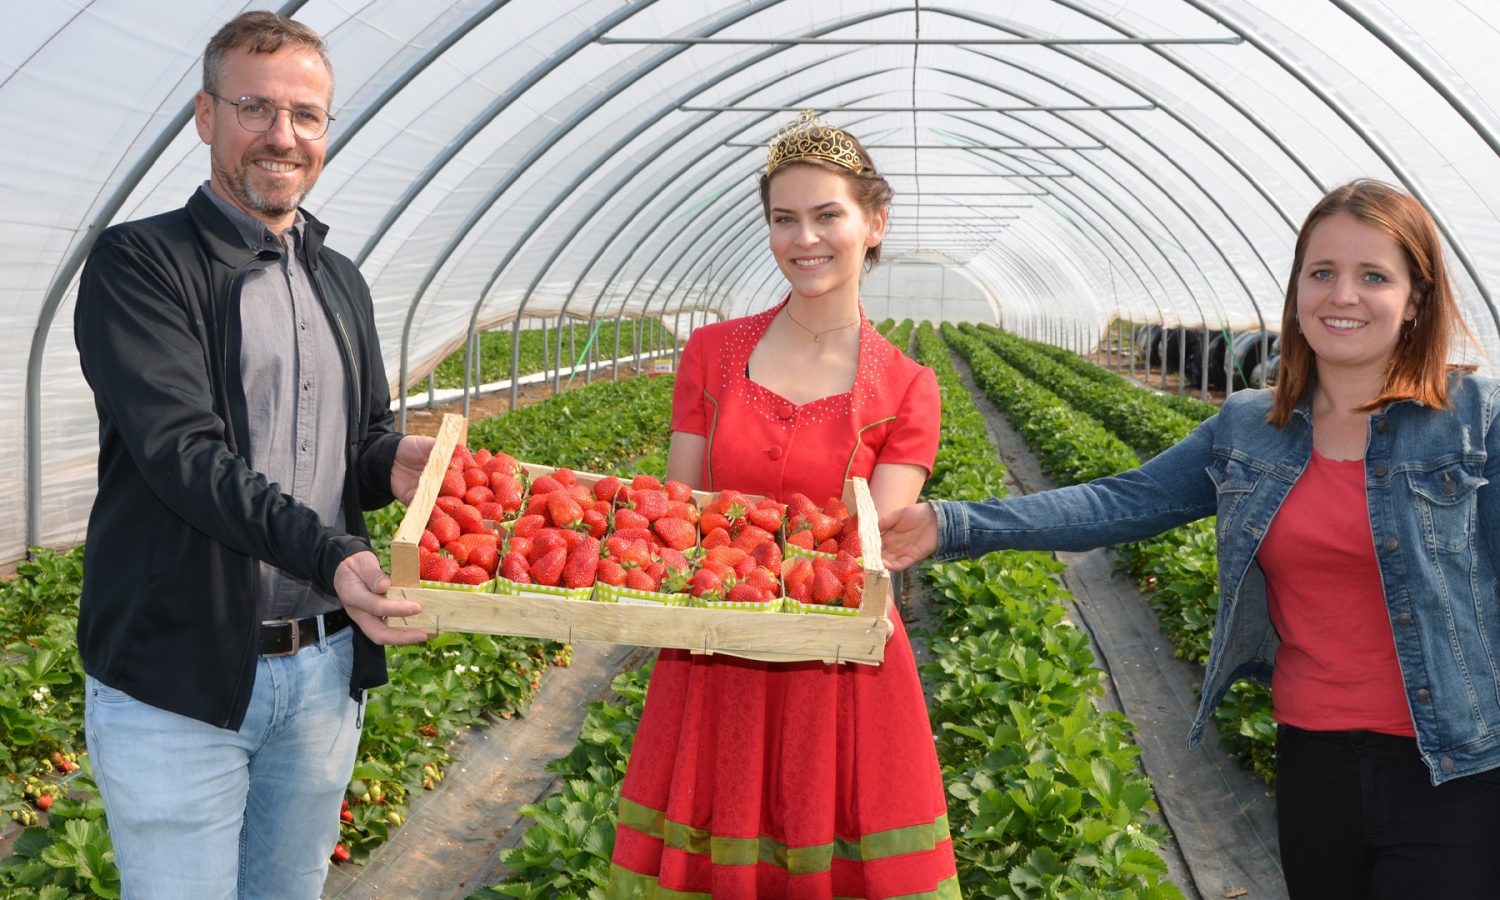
point(756, 780)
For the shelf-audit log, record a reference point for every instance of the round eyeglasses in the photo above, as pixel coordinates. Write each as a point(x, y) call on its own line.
point(258, 114)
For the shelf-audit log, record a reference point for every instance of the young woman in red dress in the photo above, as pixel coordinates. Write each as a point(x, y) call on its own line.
point(752, 779)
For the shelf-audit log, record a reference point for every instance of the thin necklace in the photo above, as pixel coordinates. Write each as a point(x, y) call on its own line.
point(817, 336)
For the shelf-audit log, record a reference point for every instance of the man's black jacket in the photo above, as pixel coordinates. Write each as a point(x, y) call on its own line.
point(168, 613)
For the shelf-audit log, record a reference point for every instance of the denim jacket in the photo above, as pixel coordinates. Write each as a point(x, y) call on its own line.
point(1434, 501)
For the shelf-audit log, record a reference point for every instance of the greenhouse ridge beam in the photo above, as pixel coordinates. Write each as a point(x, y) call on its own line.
point(1376, 145)
point(869, 146)
point(1089, 107)
point(921, 41)
point(59, 287)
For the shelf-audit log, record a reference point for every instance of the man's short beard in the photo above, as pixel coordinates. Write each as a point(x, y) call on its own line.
point(237, 182)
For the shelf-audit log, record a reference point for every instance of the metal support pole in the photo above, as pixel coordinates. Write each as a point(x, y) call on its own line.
point(1205, 362)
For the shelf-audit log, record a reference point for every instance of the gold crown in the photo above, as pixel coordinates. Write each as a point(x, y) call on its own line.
point(809, 137)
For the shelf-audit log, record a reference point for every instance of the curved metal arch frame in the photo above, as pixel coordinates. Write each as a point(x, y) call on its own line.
point(1228, 19)
point(1229, 265)
point(58, 289)
point(587, 218)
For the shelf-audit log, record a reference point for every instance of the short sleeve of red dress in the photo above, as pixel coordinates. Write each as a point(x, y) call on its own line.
point(687, 392)
point(761, 443)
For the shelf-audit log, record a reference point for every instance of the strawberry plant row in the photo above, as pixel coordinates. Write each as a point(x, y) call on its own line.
point(437, 689)
point(495, 351)
point(1072, 446)
point(1178, 571)
point(1189, 406)
point(900, 335)
point(1047, 797)
point(1132, 413)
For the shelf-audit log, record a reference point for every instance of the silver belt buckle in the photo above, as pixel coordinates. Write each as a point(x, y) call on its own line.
point(291, 625)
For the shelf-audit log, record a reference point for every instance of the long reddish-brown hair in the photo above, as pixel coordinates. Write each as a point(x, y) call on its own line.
point(1419, 366)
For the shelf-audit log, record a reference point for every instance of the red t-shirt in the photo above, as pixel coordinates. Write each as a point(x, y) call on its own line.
point(1336, 669)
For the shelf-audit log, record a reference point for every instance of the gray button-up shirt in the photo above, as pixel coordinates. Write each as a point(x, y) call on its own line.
point(294, 382)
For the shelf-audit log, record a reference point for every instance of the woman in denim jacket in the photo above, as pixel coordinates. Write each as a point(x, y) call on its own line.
point(1359, 553)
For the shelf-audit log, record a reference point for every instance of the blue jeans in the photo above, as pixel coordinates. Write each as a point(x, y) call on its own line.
point(202, 813)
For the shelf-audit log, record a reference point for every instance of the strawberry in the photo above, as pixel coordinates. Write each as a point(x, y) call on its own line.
point(514, 567)
point(803, 539)
point(730, 556)
point(597, 522)
point(437, 567)
point(706, 583)
point(824, 526)
point(547, 568)
point(678, 491)
point(448, 504)
point(429, 540)
point(459, 552)
point(565, 476)
point(536, 505)
point(444, 527)
point(500, 463)
point(637, 579)
point(826, 587)
point(836, 508)
point(799, 504)
point(713, 521)
point(797, 574)
point(462, 458)
point(763, 580)
point(828, 546)
point(606, 488)
point(716, 538)
point(481, 456)
point(645, 483)
point(453, 484)
point(485, 557)
point(478, 494)
point(628, 518)
point(610, 572)
point(852, 544)
point(521, 545)
point(675, 533)
point(680, 509)
point(650, 503)
point(563, 509)
point(744, 592)
point(767, 554)
point(528, 526)
point(475, 476)
point(854, 590)
point(636, 534)
point(546, 541)
point(749, 536)
point(491, 511)
point(767, 519)
point(340, 853)
point(745, 566)
point(844, 566)
point(507, 490)
point(469, 520)
point(673, 559)
point(471, 574)
point(544, 484)
point(581, 565)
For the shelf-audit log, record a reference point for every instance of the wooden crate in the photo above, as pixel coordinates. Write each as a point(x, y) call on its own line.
point(774, 637)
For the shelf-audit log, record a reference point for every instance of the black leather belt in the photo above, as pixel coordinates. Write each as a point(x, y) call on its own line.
point(284, 637)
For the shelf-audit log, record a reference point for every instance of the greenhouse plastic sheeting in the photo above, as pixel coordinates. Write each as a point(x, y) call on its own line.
point(1057, 163)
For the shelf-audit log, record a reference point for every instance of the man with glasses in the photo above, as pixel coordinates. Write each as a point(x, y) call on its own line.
point(232, 610)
